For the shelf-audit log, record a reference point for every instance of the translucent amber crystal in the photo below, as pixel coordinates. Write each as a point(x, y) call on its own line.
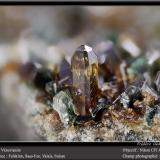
point(84, 65)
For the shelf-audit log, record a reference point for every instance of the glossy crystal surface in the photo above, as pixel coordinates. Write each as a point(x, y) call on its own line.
point(84, 65)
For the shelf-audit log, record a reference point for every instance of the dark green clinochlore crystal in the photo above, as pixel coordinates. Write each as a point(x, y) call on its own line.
point(150, 116)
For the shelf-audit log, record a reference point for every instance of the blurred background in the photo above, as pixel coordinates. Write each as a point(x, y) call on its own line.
point(42, 32)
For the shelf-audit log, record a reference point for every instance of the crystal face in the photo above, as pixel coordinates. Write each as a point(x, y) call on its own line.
point(65, 73)
point(108, 55)
point(157, 82)
point(109, 60)
point(84, 65)
point(62, 103)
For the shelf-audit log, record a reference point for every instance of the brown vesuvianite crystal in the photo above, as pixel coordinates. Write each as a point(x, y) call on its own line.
point(109, 60)
point(84, 65)
point(111, 66)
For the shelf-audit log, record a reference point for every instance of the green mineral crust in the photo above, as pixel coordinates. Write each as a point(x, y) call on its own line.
point(63, 104)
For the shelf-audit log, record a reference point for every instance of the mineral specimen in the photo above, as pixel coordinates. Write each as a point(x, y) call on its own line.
point(150, 116)
point(42, 77)
point(154, 68)
point(125, 100)
point(63, 104)
point(51, 87)
point(65, 72)
point(129, 96)
point(157, 82)
point(70, 97)
point(102, 105)
point(84, 64)
point(109, 60)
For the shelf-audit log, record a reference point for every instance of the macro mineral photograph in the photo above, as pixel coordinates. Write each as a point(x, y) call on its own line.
point(80, 73)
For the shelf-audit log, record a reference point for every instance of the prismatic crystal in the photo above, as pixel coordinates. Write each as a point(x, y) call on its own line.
point(84, 66)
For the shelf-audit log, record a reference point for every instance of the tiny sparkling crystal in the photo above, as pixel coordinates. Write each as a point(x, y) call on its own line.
point(51, 88)
point(84, 66)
